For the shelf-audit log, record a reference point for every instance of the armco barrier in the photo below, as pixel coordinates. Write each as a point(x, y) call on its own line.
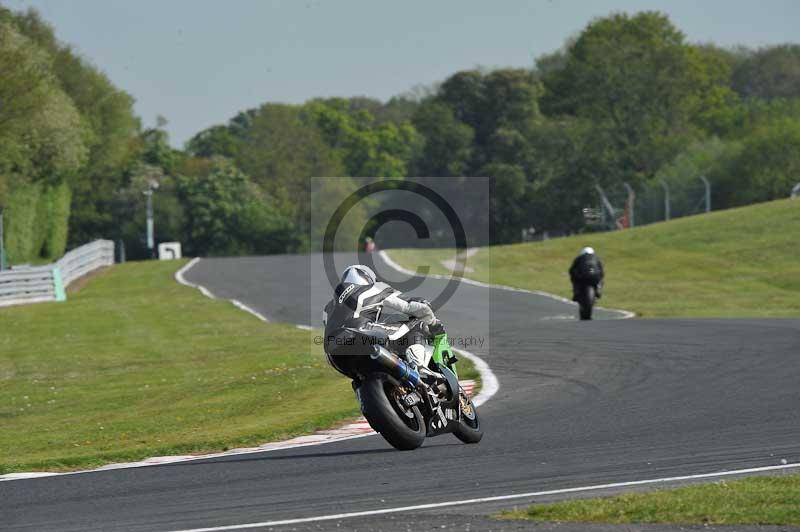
point(48, 283)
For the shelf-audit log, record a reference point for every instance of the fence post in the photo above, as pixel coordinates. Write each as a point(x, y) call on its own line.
point(666, 199)
point(607, 204)
point(631, 204)
point(58, 285)
point(708, 193)
point(795, 193)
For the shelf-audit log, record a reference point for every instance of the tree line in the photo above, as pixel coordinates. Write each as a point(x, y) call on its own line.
point(626, 100)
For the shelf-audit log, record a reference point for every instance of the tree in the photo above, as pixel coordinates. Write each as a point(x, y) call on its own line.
point(768, 73)
point(227, 214)
point(636, 79)
point(765, 168)
point(713, 106)
point(509, 208)
point(108, 128)
point(279, 150)
point(486, 101)
point(41, 133)
point(366, 149)
point(448, 146)
point(570, 156)
point(216, 141)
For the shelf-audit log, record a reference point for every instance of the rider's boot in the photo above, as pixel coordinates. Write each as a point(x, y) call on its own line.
point(417, 355)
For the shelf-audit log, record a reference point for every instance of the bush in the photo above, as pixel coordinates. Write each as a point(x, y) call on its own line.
point(19, 219)
point(57, 201)
point(765, 168)
point(35, 219)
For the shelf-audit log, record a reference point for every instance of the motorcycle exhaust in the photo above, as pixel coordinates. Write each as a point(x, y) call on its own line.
point(395, 366)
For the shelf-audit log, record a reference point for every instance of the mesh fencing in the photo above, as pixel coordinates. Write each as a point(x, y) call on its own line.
point(653, 202)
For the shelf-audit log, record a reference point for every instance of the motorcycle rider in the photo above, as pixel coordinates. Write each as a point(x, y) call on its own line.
point(586, 269)
point(360, 296)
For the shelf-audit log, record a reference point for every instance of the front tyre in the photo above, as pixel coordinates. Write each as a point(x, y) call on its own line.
point(402, 426)
point(469, 428)
point(586, 302)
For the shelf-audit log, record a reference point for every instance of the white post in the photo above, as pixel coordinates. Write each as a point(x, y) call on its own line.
point(151, 244)
point(150, 237)
point(666, 199)
point(795, 194)
point(708, 193)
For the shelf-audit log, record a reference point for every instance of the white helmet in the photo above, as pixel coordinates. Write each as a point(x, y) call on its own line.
point(358, 274)
point(587, 251)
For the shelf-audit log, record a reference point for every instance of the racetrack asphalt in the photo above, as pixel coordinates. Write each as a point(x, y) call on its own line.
point(579, 404)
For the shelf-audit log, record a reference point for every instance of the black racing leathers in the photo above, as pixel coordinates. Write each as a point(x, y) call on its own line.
point(358, 306)
point(586, 269)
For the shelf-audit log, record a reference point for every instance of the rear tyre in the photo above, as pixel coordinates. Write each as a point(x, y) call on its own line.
point(586, 302)
point(469, 428)
point(402, 426)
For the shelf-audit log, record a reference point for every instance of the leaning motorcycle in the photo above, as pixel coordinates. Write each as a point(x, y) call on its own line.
point(394, 398)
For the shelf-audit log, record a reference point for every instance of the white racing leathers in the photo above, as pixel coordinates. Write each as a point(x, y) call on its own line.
point(415, 352)
point(369, 302)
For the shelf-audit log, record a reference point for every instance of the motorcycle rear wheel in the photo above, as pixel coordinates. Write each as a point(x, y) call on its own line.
point(400, 425)
point(586, 302)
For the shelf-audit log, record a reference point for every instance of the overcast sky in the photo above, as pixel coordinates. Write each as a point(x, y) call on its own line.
point(199, 62)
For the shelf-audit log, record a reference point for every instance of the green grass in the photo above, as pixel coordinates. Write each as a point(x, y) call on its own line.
point(732, 263)
point(467, 371)
point(758, 500)
point(135, 365)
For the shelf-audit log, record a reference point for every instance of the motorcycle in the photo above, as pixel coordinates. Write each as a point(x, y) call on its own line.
point(586, 284)
point(401, 403)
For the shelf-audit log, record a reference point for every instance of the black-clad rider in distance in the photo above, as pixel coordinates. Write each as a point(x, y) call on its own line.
point(586, 269)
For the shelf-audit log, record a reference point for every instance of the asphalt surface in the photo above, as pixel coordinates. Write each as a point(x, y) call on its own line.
point(580, 403)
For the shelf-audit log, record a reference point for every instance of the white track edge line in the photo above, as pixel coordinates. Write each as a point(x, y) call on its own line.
point(624, 314)
point(489, 383)
point(496, 498)
point(186, 267)
point(489, 386)
point(241, 306)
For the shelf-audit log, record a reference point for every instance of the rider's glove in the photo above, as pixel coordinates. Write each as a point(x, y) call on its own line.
point(436, 328)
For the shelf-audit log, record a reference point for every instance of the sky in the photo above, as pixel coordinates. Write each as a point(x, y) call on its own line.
point(199, 62)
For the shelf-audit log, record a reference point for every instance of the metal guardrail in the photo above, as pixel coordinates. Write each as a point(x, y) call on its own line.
point(47, 283)
point(85, 259)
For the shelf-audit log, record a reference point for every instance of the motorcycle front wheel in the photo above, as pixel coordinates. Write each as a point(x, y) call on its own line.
point(381, 403)
point(469, 428)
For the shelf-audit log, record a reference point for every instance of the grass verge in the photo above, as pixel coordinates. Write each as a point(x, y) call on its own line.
point(135, 365)
point(772, 500)
point(732, 263)
point(467, 371)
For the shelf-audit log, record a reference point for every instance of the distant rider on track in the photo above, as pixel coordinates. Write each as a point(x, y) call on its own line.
point(586, 270)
